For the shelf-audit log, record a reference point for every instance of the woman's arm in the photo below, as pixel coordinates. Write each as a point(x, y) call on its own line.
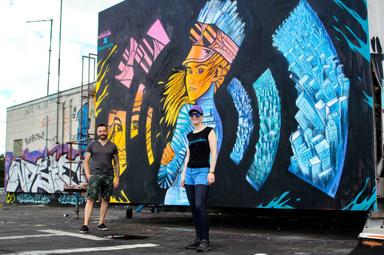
point(186, 160)
point(212, 139)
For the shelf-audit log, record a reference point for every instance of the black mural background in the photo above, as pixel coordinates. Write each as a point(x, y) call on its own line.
point(262, 18)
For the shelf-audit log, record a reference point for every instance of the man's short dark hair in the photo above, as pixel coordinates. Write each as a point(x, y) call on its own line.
point(101, 125)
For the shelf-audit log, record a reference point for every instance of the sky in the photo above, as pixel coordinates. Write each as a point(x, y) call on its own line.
point(24, 48)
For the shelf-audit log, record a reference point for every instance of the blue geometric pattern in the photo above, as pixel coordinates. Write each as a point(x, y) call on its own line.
point(269, 132)
point(319, 144)
point(167, 174)
point(225, 16)
point(82, 115)
point(245, 120)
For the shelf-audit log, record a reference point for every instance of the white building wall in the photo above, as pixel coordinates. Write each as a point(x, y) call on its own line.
point(376, 20)
point(28, 121)
point(30, 171)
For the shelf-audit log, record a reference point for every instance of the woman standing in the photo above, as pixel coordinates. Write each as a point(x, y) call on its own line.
point(198, 174)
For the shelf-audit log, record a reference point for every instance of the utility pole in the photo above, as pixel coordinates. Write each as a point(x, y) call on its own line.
point(58, 78)
point(48, 79)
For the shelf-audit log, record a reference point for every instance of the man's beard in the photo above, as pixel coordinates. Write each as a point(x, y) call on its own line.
point(103, 137)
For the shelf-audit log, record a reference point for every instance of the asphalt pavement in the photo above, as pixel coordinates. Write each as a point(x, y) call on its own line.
point(35, 229)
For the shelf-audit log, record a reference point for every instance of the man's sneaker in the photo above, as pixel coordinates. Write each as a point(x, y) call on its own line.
point(102, 227)
point(193, 245)
point(203, 246)
point(84, 229)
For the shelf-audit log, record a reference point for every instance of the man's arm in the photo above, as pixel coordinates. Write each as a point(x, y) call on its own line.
point(117, 171)
point(87, 168)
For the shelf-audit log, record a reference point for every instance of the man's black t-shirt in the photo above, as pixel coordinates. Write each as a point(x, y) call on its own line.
point(101, 157)
point(199, 151)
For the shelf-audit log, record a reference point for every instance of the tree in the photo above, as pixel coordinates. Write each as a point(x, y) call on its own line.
point(2, 172)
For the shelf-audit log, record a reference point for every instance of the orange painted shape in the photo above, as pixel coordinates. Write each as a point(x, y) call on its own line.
point(136, 111)
point(116, 134)
point(148, 136)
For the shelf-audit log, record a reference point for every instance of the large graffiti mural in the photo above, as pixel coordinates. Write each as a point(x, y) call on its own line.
point(279, 81)
point(284, 84)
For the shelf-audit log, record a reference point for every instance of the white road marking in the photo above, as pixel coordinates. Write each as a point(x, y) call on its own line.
point(25, 236)
point(181, 229)
point(64, 251)
point(65, 233)
point(6, 222)
point(51, 232)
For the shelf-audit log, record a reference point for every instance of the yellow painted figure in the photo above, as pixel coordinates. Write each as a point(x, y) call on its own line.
point(215, 42)
point(194, 81)
point(116, 134)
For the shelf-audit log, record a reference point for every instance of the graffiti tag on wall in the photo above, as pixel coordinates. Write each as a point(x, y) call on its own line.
point(34, 173)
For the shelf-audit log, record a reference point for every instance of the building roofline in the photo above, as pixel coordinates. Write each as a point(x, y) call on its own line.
point(50, 97)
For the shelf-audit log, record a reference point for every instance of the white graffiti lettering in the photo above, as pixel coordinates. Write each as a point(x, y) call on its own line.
point(41, 177)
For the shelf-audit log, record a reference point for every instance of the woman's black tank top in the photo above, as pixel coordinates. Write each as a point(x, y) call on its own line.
point(199, 150)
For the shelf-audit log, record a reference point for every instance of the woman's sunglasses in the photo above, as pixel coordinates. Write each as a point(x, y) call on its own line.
point(194, 114)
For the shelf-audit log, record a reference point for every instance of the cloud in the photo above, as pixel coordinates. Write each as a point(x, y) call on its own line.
point(24, 46)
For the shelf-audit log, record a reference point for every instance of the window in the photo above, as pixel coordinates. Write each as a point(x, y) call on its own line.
point(18, 148)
